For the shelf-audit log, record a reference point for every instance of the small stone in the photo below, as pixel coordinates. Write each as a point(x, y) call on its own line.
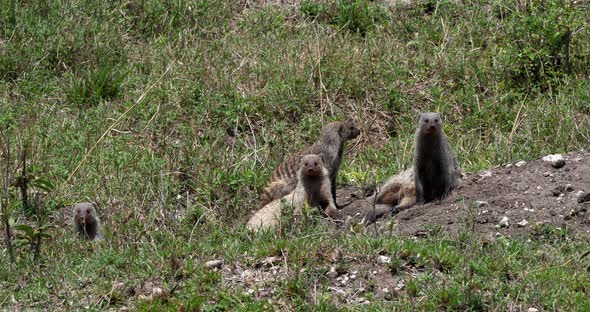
point(504, 223)
point(522, 223)
point(532, 310)
point(498, 234)
point(555, 160)
point(546, 174)
point(213, 264)
point(157, 292)
point(485, 174)
point(520, 163)
point(480, 203)
point(383, 259)
point(332, 273)
point(584, 197)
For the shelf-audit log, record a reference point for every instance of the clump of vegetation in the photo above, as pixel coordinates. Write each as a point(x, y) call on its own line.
point(92, 86)
point(543, 42)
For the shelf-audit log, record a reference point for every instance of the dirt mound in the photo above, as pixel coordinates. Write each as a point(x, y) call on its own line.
point(510, 200)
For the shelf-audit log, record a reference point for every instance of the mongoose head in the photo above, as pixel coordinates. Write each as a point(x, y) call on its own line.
point(312, 165)
point(85, 213)
point(429, 123)
point(348, 130)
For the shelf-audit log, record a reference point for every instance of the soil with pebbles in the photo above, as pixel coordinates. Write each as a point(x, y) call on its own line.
point(507, 200)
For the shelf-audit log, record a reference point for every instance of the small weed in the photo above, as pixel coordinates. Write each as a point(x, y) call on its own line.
point(92, 86)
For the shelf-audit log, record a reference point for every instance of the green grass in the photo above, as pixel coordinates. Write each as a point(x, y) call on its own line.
point(230, 90)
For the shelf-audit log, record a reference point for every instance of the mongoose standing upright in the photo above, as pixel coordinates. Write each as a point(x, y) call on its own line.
point(313, 187)
point(436, 171)
point(330, 147)
point(85, 221)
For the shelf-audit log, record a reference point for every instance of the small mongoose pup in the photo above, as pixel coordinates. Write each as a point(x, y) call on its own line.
point(330, 147)
point(85, 221)
point(313, 187)
point(396, 194)
point(436, 170)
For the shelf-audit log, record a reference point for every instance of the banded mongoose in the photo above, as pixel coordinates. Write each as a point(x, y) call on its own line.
point(330, 147)
point(313, 187)
point(436, 170)
point(396, 194)
point(85, 221)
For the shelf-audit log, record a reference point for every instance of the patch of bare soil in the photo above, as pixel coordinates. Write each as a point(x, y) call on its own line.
point(349, 282)
point(509, 200)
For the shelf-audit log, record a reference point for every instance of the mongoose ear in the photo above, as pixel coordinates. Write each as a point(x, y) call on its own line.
point(94, 206)
point(439, 116)
point(322, 158)
point(419, 116)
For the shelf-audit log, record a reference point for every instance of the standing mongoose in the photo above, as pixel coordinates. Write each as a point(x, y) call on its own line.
point(85, 221)
point(436, 171)
point(330, 147)
point(313, 188)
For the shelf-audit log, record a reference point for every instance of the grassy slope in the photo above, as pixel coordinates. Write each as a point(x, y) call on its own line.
point(230, 90)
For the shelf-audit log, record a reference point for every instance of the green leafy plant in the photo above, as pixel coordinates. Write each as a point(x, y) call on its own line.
point(92, 86)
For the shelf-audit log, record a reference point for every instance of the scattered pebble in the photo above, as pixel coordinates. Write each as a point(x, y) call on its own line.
point(383, 259)
point(520, 163)
point(547, 174)
point(157, 292)
point(332, 272)
point(480, 203)
point(529, 209)
point(504, 223)
point(522, 223)
point(533, 310)
point(556, 160)
point(214, 264)
point(485, 174)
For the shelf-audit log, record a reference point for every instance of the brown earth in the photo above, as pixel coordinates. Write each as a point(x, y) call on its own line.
point(533, 191)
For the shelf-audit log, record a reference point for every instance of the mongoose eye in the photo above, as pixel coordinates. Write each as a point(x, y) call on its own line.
point(426, 120)
point(435, 119)
point(315, 163)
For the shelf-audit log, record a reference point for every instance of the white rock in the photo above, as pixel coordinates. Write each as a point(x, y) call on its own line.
point(332, 272)
point(485, 174)
point(556, 160)
point(157, 292)
point(214, 264)
point(522, 223)
point(383, 259)
point(520, 163)
point(480, 203)
point(504, 223)
point(532, 310)
point(546, 174)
